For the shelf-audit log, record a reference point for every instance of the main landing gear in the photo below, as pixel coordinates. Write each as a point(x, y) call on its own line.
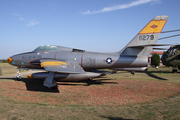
point(132, 72)
point(49, 82)
point(175, 69)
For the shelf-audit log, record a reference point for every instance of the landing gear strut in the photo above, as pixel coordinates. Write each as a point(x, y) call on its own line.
point(49, 81)
point(18, 77)
point(90, 79)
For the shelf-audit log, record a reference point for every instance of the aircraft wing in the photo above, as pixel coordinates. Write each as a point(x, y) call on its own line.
point(61, 66)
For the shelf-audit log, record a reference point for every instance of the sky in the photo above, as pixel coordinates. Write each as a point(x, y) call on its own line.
point(91, 25)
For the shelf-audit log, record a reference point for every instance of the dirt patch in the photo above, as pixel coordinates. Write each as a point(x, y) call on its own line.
point(96, 93)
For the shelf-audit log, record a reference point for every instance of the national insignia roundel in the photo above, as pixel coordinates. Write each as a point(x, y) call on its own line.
point(109, 60)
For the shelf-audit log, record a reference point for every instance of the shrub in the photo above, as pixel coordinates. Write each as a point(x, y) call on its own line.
point(155, 60)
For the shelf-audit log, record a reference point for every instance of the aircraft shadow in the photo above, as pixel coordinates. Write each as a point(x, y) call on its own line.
point(150, 74)
point(88, 82)
point(116, 118)
point(35, 85)
point(156, 77)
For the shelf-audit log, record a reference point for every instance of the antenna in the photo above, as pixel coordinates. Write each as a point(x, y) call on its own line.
point(170, 36)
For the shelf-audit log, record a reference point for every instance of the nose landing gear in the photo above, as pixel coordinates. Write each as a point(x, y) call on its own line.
point(18, 77)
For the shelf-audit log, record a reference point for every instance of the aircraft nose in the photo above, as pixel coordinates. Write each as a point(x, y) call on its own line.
point(9, 60)
point(163, 58)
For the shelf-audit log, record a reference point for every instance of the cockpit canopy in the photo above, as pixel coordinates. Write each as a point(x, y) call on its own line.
point(53, 47)
point(172, 50)
point(46, 47)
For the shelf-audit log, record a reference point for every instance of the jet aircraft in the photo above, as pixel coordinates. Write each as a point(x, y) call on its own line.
point(172, 57)
point(62, 63)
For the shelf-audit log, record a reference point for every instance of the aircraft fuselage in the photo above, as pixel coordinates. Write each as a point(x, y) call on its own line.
point(87, 60)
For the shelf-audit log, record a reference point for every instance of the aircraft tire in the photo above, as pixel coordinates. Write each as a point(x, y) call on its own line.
point(52, 88)
point(174, 70)
point(90, 79)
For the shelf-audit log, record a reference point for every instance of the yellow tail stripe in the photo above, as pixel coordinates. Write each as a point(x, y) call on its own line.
point(154, 26)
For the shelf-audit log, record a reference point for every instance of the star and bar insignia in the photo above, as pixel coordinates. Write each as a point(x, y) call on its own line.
point(109, 60)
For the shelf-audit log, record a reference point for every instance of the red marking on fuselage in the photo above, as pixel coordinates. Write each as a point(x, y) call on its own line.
point(55, 55)
point(30, 61)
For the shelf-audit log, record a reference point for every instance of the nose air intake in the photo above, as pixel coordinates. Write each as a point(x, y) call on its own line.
point(9, 60)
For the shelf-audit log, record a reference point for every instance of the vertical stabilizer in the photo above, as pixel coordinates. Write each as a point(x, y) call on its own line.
point(142, 43)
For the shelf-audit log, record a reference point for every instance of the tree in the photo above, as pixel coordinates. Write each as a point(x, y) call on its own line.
point(5, 61)
point(155, 60)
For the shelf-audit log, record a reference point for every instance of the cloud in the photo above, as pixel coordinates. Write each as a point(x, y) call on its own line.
point(54, 6)
point(21, 18)
point(31, 23)
point(122, 6)
point(16, 14)
point(155, 2)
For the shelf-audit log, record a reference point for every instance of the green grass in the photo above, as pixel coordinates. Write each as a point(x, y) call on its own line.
point(159, 109)
point(163, 73)
point(155, 111)
point(8, 69)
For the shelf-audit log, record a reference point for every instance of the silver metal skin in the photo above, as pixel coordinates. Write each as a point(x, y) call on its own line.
point(64, 63)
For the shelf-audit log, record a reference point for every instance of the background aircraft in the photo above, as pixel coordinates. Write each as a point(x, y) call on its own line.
point(62, 63)
point(172, 57)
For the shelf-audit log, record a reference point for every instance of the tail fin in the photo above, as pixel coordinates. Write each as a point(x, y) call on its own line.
point(143, 42)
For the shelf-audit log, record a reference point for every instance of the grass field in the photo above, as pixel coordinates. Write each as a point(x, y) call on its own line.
point(154, 94)
point(7, 69)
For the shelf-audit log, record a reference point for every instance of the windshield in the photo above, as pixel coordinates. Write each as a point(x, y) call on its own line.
point(171, 51)
point(46, 47)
